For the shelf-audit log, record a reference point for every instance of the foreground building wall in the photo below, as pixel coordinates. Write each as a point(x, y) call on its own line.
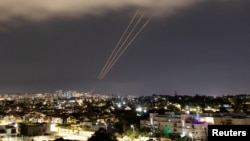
point(192, 126)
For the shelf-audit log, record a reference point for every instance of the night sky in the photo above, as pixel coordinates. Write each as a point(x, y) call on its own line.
point(189, 46)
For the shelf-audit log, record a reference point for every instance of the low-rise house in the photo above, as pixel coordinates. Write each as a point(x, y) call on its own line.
point(34, 129)
point(8, 130)
point(3, 133)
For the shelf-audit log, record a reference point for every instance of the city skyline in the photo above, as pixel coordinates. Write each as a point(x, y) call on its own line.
point(189, 46)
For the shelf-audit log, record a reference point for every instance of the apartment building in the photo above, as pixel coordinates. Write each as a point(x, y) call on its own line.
point(192, 125)
point(183, 125)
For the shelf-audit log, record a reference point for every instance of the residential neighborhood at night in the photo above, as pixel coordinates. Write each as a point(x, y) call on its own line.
point(77, 115)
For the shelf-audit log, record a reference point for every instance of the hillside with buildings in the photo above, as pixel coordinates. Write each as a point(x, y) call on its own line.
point(75, 115)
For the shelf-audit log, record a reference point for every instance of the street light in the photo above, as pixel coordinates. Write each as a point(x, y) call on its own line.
point(106, 126)
point(132, 126)
point(191, 135)
point(17, 130)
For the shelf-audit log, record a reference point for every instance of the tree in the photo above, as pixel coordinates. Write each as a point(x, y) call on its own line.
point(102, 135)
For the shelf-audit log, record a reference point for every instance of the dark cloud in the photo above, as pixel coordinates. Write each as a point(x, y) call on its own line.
point(29, 10)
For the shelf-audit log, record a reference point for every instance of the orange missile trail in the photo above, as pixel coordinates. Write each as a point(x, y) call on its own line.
point(123, 43)
point(117, 45)
point(112, 63)
point(120, 50)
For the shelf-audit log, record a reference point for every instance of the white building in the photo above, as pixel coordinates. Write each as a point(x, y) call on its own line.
point(193, 125)
point(184, 125)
